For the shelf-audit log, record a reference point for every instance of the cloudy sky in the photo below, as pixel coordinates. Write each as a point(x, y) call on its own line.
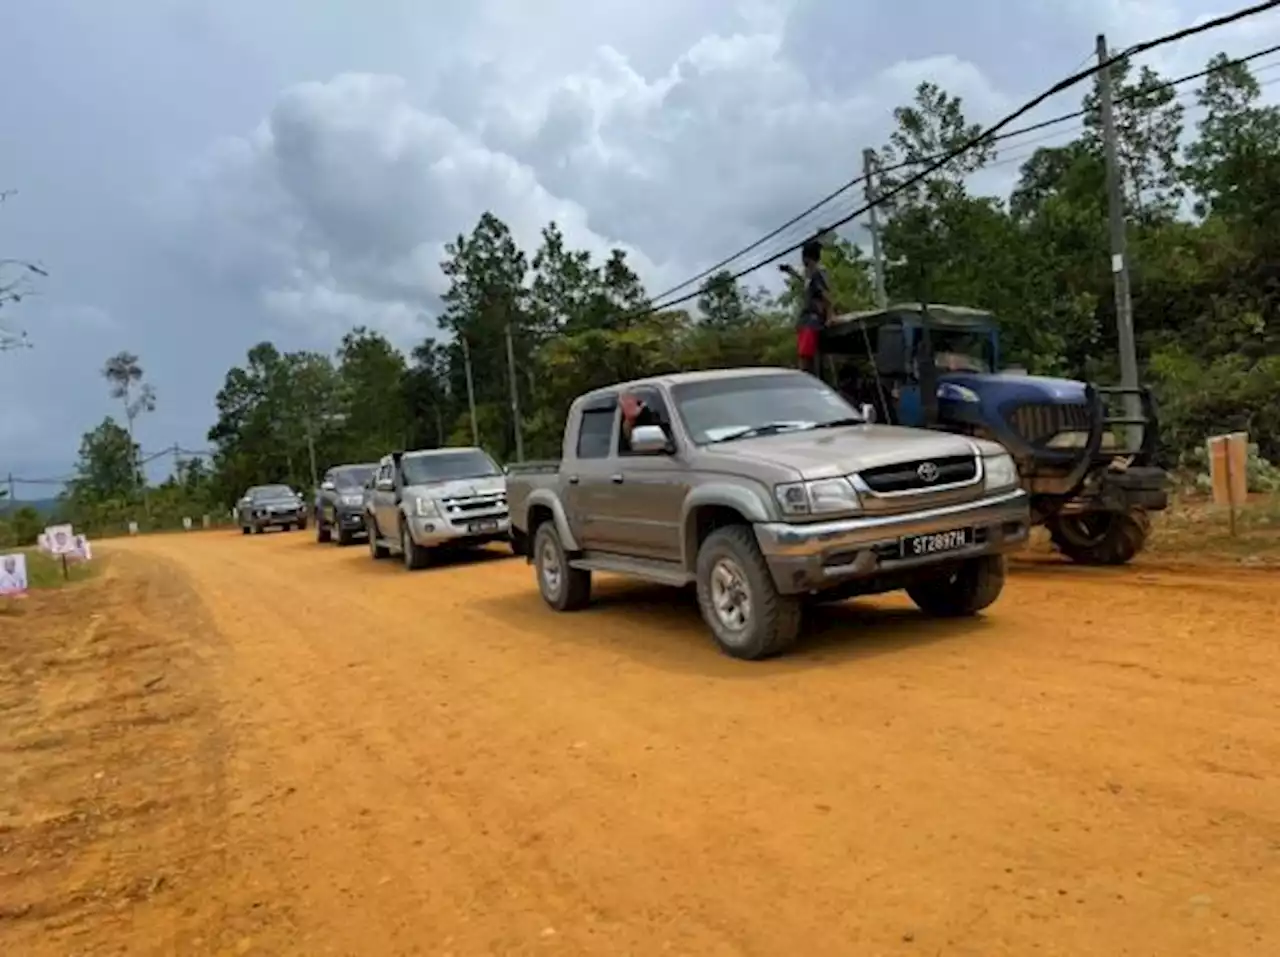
point(198, 175)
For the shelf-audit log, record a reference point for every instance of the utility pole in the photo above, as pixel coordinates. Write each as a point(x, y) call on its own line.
point(12, 501)
point(1119, 256)
point(311, 449)
point(873, 224)
point(471, 389)
point(515, 395)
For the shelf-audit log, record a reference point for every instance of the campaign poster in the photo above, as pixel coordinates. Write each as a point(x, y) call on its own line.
point(13, 575)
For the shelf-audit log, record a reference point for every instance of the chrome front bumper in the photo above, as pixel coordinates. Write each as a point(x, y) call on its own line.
point(430, 532)
point(811, 557)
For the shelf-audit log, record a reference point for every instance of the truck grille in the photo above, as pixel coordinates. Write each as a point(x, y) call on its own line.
point(908, 477)
point(463, 509)
point(1038, 422)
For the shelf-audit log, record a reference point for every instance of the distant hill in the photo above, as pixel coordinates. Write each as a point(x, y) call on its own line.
point(45, 506)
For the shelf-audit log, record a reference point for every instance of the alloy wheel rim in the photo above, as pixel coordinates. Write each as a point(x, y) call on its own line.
point(730, 596)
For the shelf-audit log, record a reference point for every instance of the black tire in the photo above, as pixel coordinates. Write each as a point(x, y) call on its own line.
point(963, 589)
point(345, 537)
point(323, 535)
point(376, 551)
point(1101, 538)
point(413, 554)
point(244, 529)
point(730, 559)
point(257, 529)
point(562, 587)
point(302, 525)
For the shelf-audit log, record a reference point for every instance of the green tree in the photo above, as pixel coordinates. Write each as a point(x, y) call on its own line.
point(124, 376)
point(487, 298)
point(107, 470)
point(1148, 122)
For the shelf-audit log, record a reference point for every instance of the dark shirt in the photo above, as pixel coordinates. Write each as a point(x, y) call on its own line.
point(813, 308)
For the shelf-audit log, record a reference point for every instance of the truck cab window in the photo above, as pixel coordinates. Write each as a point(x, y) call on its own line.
point(647, 408)
point(595, 434)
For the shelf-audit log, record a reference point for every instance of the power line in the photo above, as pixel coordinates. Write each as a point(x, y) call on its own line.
point(146, 458)
point(983, 139)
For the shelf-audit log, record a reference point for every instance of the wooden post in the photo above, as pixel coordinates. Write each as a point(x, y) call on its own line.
point(1228, 472)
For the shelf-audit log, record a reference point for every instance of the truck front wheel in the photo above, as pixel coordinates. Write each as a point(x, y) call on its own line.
point(747, 615)
point(563, 588)
point(1101, 537)
point(414, 555)
point(964, 589)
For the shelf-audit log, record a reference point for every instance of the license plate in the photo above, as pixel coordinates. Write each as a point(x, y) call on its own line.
point(917, 546)
point(484, 525)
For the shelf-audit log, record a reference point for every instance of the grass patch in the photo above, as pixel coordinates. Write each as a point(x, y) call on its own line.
point(1196, 527)
point(44, 571)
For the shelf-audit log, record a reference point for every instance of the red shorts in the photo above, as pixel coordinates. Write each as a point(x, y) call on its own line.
point(806, 342)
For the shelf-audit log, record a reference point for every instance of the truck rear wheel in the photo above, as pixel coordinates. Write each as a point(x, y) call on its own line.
point(1101, 537)
point(376, 550)
point(563, 588)
point(964, 589)
point(747, 615)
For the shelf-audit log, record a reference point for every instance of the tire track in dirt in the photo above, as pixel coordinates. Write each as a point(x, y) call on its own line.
point(435, 763)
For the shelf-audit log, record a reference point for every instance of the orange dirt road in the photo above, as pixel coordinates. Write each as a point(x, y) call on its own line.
point(377, 762)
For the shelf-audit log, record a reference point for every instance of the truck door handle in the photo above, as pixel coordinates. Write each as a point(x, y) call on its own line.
point(573, 480)
point(616, 479)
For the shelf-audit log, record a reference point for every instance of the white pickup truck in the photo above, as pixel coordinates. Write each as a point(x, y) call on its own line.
point(421, 501)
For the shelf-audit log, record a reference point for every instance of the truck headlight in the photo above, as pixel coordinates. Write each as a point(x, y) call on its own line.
point(1001, 472)
point(951, 392)
point(425, 508)
point(822, 497)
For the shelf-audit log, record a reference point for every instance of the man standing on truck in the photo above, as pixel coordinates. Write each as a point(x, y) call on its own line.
point(815, 304)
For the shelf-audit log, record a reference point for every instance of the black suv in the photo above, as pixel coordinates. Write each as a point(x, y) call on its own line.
point(340, 503)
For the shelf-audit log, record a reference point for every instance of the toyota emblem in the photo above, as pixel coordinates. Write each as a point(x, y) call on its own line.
point(928, 472)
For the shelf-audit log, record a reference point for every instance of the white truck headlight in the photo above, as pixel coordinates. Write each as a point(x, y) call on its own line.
point(1001, 472)
point(425, 508)
point(821, 497)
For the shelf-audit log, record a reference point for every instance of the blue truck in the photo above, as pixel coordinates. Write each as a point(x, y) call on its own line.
point(1087, 454)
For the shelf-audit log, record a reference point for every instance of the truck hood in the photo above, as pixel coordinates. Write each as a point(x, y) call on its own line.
point(460, 488)
point(824, 453)
point(1018, 388)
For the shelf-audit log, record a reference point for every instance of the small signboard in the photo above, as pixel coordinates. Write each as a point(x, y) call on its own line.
point(186, 522)
point(13, 575)
point(133, 528)
point(83, 551)
point(1229, 471)
point(61, 538)
point(205, 521)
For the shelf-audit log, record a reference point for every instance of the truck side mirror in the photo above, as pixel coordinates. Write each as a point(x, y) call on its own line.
point(649, 440)
point(891, 351)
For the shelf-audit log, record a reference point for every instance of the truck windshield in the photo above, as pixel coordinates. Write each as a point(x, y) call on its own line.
point(716, 410)
point(355, 477)
point(263, 492)
point(447, 466)
point(961, 350)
